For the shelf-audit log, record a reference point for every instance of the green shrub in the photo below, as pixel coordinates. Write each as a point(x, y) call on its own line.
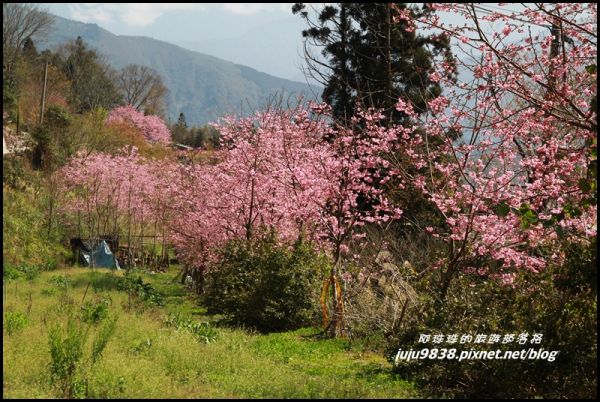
point(13, 172)
point(95, 312)
point(264, 285)
point(102, 338)
point(57, 116)
point(142, 346)
point(202, 331)
point(60, 281)
point(10, 95)
point(14, 321)
point(23, 270)
point(177, 320)
point(10, 273)
point(49, 291)
point(30, 272)
point(141, 290)
point(69, 370)
point(28, 239)
point(560, 303)
point(66, 353)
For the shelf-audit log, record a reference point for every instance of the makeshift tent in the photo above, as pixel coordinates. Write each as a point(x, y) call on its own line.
point(102, 256)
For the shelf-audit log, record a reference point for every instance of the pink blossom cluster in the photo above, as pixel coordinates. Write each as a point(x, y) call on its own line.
point(277, 172)
point(122, 193)
point(288, 171)
point(526, 136)
point(153, 128)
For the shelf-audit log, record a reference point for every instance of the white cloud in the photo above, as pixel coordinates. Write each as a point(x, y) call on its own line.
point(144, 14)
point(253, 8)
point(90, 12)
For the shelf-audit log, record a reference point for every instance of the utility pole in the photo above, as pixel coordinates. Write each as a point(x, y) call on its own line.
point(44, 93)
point(388, 57)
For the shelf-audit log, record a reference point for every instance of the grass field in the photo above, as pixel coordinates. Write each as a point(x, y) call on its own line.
point(146, 358)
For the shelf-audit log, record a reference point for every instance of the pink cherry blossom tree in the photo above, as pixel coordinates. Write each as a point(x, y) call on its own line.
point(520, 178)
point(153, 128)
point(266, 177)
point(276, 172)
point(356, 194)
point(117, 194)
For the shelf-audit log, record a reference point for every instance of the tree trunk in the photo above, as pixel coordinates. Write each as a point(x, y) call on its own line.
point(336, 327)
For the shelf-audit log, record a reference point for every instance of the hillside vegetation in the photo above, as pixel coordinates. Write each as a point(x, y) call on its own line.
point(148, 357)
point(357, 247)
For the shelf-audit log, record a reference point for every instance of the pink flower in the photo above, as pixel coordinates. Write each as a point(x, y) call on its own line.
point(151, 127)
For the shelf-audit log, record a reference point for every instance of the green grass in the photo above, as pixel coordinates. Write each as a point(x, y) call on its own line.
point(148, 359)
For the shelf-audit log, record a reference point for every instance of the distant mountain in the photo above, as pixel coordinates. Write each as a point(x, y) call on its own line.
point(203, 87)
point(281, 58)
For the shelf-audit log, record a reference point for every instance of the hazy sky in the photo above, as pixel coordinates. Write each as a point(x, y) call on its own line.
point(174, 20)
point(264, 36)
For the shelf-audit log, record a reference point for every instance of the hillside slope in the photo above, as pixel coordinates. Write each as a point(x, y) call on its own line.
point(203, 87)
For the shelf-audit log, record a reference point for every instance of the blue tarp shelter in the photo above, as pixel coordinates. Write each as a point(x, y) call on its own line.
point(101, 256)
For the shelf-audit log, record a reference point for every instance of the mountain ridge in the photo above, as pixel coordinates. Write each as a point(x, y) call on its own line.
point(202, 86)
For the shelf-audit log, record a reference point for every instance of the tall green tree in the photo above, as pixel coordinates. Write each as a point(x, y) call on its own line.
point(92, 80)
point(333, 32)
point(29, 50)
point(180, 130)
point(371, 57)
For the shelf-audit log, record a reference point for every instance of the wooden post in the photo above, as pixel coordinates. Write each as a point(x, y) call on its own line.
point(29, 304)
point(44, 93)
point(85, 293)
